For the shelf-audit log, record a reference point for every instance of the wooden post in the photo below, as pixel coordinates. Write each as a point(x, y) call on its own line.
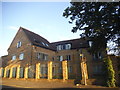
point(5, 72)
point(1, 71)
point(26, 72)
point(18, 72)
point(38, 71)
point(50, 70)
point(84, 71)
point(65, 70)
point(11, 72)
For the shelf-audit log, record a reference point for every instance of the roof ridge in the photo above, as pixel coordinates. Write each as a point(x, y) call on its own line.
point(34, 33)
point(67, 40)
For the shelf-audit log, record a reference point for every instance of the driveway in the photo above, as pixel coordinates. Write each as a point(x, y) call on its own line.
point(44, 83)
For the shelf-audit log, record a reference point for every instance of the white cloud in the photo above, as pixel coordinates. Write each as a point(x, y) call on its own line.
point(13, 27)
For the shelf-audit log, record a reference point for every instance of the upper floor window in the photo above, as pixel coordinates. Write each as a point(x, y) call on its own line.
point(90, 43)
point(43, 43)
point(42, 56)
point(97, 56)
point(64, 47)
point(45, 57)
point(21, 56)
point(13, 57)
point(47, 45)
point(67, 46)
point(59, 47)
point(68, 57)
point(60, 58)
point(19, 44)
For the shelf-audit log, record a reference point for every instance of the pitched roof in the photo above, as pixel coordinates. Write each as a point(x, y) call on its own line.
point(76, 43)
point(38, 40)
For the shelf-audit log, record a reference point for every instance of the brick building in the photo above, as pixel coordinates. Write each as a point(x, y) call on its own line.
point(32, 56)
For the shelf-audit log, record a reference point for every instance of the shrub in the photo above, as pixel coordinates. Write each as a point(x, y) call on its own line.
point(110, 73)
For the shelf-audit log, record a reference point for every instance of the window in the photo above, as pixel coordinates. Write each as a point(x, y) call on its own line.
point(13, 57)
point(47, 45)
point(45, 57)
point(64, 47)
point(60, 58)
point(43, 43)
point(69, 69)
point(42, 56)
point(60, 47)
point(97, 69)
point(97, 56)
point(21, 56)
point(68, 46)
point(19, 44)
point(90, 43)
point(68, 57)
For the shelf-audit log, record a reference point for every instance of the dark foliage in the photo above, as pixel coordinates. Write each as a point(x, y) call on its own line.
point(100, 21)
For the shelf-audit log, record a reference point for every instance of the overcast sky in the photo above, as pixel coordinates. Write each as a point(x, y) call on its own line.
point(43, 18)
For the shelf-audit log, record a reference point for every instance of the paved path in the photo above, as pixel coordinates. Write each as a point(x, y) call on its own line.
point(43, 83)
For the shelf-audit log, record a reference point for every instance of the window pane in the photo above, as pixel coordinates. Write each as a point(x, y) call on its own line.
point(21, 57)
point(13, 57)
point(90, 43)
point(61, 58)
point(19, 44)
point(46, 57)
point(68, 46)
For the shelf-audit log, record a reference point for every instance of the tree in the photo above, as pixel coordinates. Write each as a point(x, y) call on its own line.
point(110, 73)
point(99, 21)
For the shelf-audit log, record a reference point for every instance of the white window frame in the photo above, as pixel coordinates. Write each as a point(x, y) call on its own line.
point(45, 57)
point(61, 58)
point(21, 56)
point(67, 46)
point(13, 57)
point(90, 43)
point(59, 47)
point(19, 44)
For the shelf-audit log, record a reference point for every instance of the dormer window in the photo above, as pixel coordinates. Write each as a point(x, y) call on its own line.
point(43, 43)
point(47, 45)
point(19, 44)
point(59, 47)
point(63, 47)
point(90, 43)
point(67, 46)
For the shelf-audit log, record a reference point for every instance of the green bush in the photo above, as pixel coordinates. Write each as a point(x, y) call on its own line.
point(110, 73)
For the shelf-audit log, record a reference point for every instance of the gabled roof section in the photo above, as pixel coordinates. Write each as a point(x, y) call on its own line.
point(37, 40)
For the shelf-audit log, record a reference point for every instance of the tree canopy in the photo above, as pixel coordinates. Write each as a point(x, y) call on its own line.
point(100, 21)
